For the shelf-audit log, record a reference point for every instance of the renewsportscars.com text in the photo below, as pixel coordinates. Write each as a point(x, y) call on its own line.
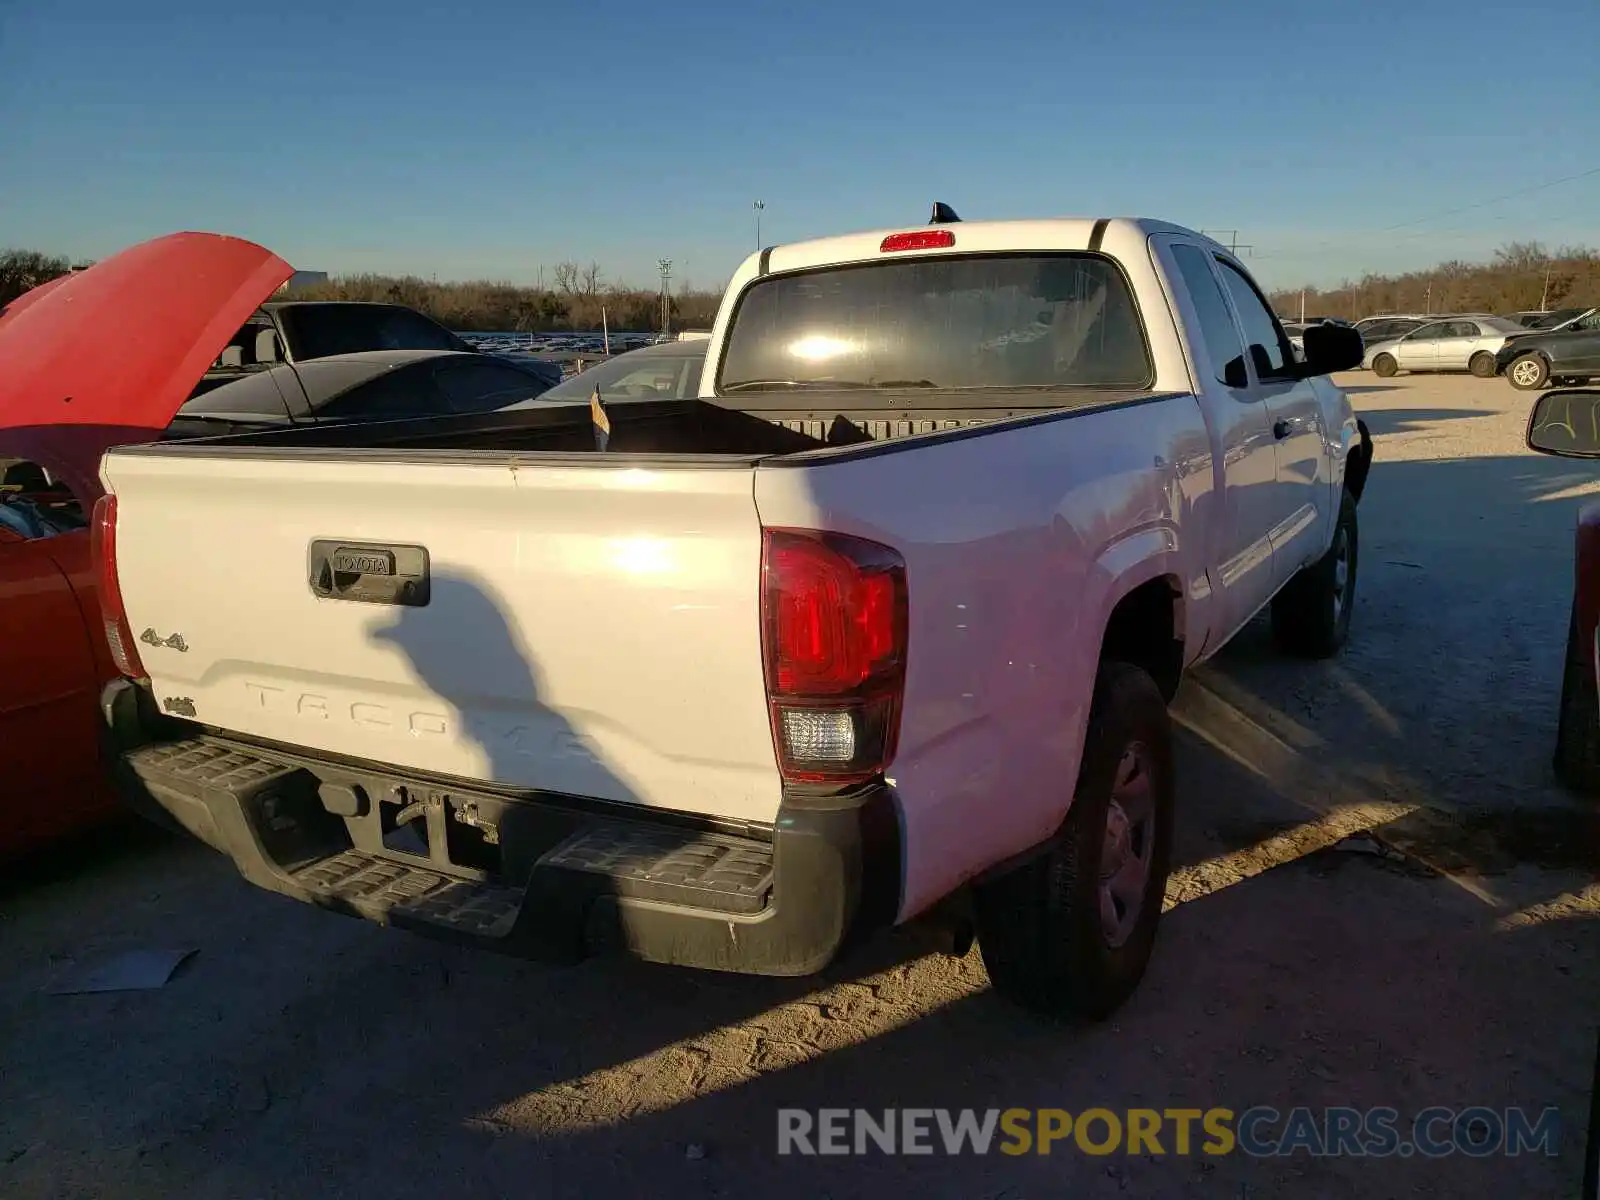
point(1477, 1132)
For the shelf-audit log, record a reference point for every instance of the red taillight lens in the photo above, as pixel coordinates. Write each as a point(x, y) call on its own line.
point(923, 239)
point(834, 622)
point(103, 550)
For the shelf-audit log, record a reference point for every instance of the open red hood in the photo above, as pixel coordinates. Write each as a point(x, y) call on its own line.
point(108, 355)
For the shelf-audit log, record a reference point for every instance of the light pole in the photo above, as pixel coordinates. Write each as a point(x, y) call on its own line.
point(665, 267)
point(759, 207)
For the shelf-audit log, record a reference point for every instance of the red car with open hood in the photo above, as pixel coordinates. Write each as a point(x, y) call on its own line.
point(94, 359)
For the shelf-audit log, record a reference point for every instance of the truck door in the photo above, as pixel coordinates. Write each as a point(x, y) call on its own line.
point(1241, 552)
point(1300, 441)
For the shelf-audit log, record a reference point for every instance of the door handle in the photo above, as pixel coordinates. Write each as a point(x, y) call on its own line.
point(1280, 430)
point(369, 574)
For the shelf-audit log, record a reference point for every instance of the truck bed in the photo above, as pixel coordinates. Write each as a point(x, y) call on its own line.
point(692, 432)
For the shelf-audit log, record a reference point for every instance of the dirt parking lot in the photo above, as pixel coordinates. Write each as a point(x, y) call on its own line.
point(298, 1054)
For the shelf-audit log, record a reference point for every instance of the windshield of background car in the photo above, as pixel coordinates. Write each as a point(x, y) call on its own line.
point(321, 330)
point(1500, 325)
point(1550, 320)
point(973, 321)
point(636, 375)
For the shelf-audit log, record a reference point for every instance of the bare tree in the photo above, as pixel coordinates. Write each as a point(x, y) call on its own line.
point(1519, 276)
point(1521, 256)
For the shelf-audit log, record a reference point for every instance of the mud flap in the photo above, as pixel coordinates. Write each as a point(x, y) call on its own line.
point(1355, 476)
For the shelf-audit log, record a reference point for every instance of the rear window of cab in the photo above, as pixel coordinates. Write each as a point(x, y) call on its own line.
point(1059, 320)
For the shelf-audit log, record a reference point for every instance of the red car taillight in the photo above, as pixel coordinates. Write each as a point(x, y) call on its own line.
point(834, 615)
point(103, 549)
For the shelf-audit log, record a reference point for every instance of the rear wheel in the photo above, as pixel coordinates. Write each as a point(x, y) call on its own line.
point(1528, 373)
point(1577, 757)
point(1482, 365)
point(1070, 933)
point(1384, 366)
point(1311, 615)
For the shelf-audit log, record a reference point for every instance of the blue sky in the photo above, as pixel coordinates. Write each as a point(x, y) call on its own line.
point(486, 140)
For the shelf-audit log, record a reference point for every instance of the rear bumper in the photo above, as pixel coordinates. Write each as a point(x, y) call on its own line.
point(542, 876)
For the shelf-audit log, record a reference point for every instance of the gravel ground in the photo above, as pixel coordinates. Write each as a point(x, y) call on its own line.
point(1444, 954)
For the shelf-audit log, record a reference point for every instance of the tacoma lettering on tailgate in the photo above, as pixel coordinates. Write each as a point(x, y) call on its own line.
point(361, 712)
point(551, 742)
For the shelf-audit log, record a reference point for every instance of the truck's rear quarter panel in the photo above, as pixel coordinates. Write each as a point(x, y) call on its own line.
point(590, 631)
point(1017, 543)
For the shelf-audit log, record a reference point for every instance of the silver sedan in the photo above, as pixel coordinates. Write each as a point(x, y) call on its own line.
point(1462, 343)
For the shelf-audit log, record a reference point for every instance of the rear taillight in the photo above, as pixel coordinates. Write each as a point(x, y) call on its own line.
point(103, 549)
point(833, 625)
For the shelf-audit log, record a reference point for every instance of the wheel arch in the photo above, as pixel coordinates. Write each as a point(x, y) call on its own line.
point(1145, 629)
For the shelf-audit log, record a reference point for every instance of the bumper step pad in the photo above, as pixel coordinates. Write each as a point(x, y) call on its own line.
point(381, 888)
point(700, 870)
point(202, 762)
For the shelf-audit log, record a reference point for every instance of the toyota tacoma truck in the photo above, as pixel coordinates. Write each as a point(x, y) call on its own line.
point(880, 627)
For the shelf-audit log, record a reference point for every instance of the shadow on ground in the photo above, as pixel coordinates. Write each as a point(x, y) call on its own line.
point(1383, 421)
point(123, 842)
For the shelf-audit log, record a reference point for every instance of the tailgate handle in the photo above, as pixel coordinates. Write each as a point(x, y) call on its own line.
point(369, 572)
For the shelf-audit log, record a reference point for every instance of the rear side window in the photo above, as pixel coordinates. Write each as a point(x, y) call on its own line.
point(403, 392)
point(1217, 330)
point(1046, 320)
point(1260, 326)
point(320, 330)
point(474, 387)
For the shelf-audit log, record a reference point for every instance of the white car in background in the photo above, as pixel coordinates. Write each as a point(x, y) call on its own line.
point(1460, 343)
point(1296, 331)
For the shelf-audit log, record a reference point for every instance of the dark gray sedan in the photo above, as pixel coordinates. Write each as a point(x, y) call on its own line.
point(376, 385)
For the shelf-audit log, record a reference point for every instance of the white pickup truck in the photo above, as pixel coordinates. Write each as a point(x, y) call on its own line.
point(880, 627)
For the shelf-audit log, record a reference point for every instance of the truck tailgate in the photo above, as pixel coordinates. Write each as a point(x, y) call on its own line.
point(592, 631)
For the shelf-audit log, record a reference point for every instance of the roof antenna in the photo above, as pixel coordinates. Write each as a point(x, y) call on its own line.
point(943, 214)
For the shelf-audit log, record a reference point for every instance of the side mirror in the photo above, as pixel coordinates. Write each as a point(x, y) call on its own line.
point(1566, 423)
point(1330, 348)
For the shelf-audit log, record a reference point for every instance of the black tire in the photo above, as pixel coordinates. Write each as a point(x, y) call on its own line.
point(1311, 615)
point(1481, 364)
point(1385, 366)
point(1528, 372)
point(1577, 757)
point(1040, 926)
